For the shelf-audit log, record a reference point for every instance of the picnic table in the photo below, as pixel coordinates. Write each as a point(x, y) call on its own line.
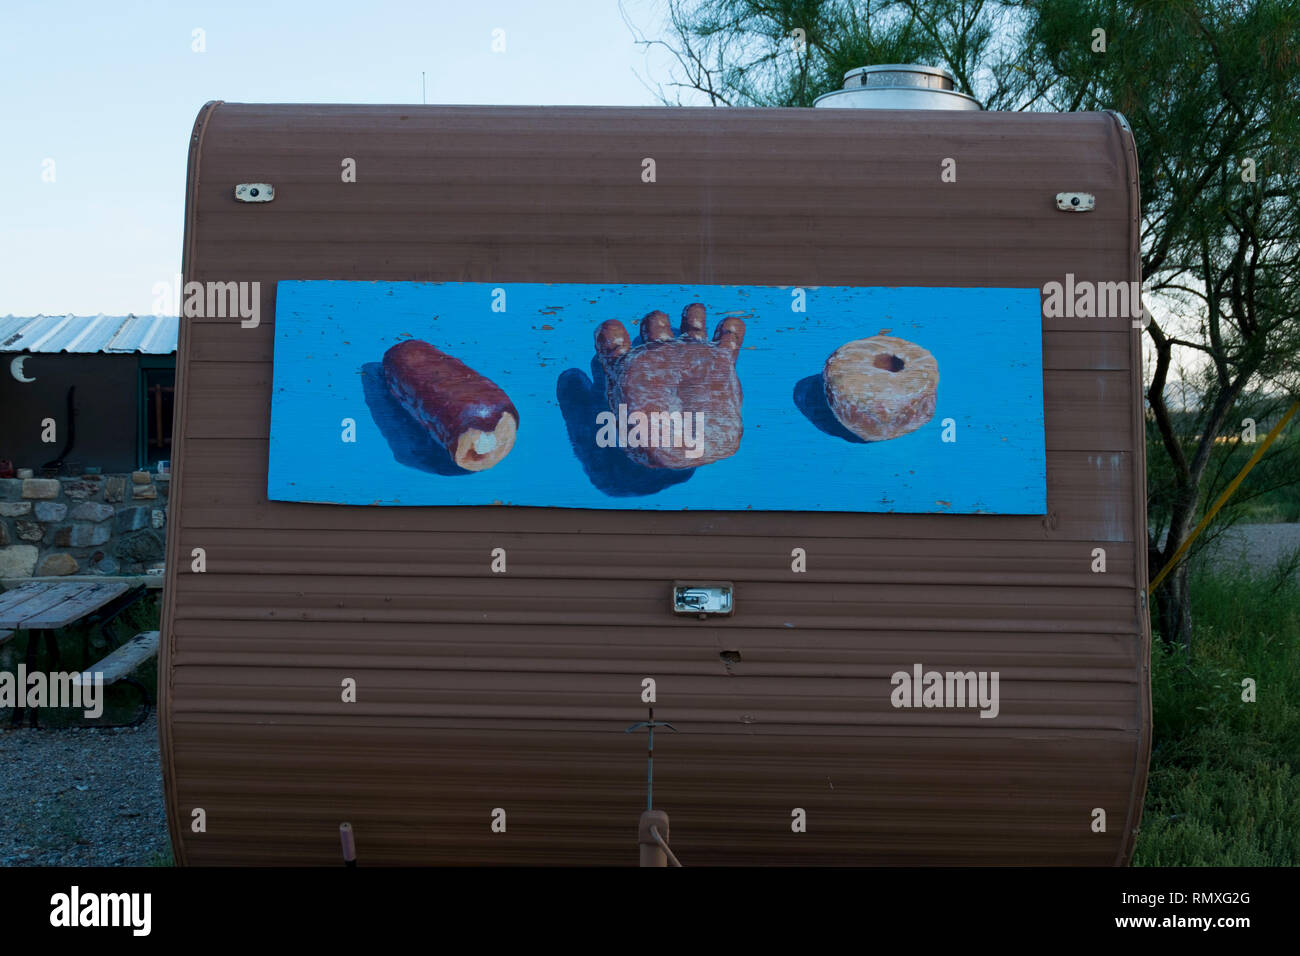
point(42, 607)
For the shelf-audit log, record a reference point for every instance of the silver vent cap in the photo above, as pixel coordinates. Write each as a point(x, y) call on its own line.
point(898, 86)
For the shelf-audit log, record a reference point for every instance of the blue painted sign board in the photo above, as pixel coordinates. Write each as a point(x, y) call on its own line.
point(934, 401)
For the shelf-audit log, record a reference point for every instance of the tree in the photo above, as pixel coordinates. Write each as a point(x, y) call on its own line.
point(1212, 92)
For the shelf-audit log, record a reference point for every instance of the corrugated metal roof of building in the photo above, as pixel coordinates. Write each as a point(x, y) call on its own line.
point(149, 334)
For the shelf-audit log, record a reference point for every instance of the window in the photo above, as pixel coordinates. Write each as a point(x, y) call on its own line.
point(157, 400)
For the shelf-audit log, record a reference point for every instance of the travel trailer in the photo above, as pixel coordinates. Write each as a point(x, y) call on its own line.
point(894, 608)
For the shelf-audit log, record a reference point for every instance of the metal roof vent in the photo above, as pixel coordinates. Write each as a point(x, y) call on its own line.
point(898, 86)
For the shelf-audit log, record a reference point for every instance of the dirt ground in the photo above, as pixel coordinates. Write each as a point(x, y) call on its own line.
point(82, 797)
point(1258, 546)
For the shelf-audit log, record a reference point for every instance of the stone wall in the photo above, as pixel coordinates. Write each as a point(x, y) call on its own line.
point(95, 524)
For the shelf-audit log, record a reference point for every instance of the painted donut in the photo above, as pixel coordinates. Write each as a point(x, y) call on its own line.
point(881, 387)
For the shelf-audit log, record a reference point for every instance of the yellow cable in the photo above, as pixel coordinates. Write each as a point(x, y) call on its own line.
point(1223, 498)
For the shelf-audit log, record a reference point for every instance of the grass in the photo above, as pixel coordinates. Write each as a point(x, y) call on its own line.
point(1269, 493)
point(1282, 504)
point(1224, 787)
point(162, 858)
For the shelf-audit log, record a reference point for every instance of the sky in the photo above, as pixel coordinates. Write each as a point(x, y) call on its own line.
point(97, 102)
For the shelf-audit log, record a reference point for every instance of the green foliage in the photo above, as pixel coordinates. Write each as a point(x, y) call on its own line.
point(1269, 493)
point(1223, 788)
point(163, 858)
point(1212, 92)
point(1204, 86)
point(788, 52)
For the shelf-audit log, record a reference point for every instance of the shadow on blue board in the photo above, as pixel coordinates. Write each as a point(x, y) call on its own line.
point(810, 398)
point(609, 469)
point(410, 443)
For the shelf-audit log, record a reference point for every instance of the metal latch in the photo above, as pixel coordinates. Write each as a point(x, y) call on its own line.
point(254, 192)
point(704, 599)
point(1076, 202)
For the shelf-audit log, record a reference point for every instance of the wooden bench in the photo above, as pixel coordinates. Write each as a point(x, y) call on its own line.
point(119, 665)
point(41, 607)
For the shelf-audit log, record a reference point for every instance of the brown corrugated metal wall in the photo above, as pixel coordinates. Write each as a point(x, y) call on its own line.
point(480, 690)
